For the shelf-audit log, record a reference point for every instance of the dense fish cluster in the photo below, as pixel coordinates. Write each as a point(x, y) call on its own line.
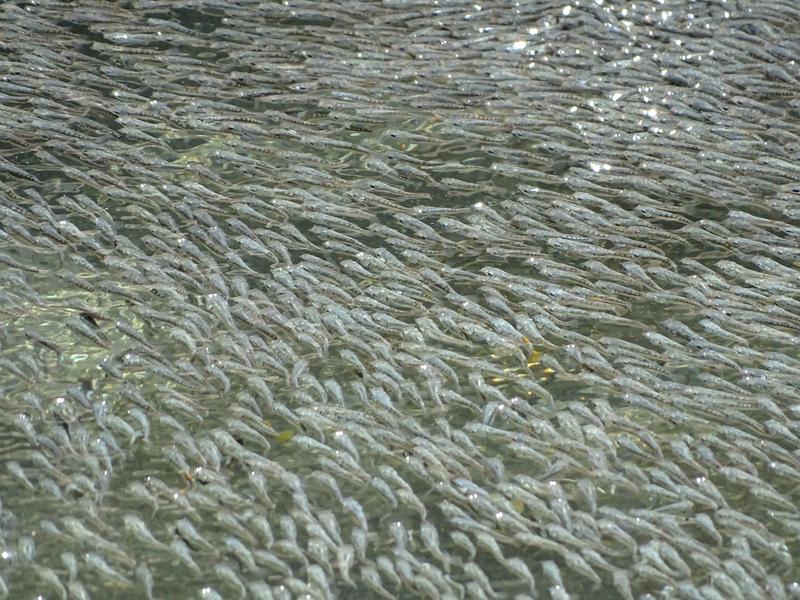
point(400, 299)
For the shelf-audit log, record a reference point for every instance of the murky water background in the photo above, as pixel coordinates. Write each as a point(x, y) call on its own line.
point(399, 299)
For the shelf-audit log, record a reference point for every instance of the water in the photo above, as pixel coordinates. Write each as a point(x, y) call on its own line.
point(319, 279)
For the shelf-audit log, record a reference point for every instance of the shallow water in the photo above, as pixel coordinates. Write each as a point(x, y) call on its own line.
point(527, 273)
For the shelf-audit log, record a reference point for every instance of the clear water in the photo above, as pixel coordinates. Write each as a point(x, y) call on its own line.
point(171, 181)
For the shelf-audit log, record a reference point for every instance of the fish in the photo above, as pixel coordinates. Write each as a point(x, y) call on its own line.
point(400, 295)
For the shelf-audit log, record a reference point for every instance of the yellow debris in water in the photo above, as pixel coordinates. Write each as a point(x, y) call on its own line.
point(285, 436)
point(518, 505)
point(535, 358)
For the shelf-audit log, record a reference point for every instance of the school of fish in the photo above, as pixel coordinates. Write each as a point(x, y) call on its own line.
point(400, 299)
